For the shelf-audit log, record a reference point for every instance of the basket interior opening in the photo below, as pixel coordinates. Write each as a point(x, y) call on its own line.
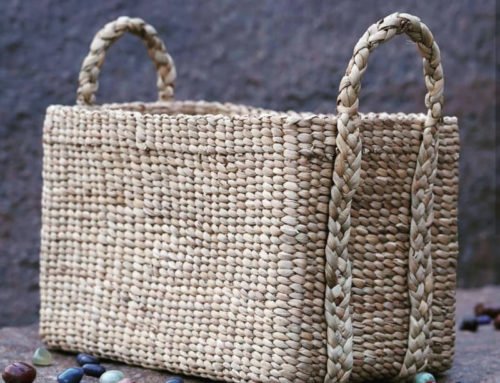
point(186, 107)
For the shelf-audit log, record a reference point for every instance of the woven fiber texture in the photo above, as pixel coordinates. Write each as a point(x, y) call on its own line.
point(249, 245)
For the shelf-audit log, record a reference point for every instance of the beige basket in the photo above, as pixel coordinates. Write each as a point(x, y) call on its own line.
point(248, 245)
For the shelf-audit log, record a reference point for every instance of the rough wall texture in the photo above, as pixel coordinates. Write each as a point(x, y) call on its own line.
point(282, 54)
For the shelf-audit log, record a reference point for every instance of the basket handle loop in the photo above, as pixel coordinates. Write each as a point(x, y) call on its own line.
point(89, 72)
point(346, 179)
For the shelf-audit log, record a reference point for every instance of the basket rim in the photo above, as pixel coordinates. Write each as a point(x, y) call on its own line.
point(125, 109)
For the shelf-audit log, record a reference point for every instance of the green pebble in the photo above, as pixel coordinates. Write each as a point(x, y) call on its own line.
point(42, 357)
point(111, 376)
point(424, 377)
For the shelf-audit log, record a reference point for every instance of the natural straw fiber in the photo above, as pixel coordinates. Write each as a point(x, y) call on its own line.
point(248, 245)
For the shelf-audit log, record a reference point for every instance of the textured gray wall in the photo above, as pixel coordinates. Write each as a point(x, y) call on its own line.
point(283, 54)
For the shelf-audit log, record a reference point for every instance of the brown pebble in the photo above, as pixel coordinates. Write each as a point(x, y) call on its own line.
point(19, 372)
point(496, 322)
point(126, 380)
point(482, 309)
point(479, 309)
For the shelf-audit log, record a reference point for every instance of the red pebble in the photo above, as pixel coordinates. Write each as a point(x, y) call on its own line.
point(492, 311)
point(496, 322)
point(19, 372)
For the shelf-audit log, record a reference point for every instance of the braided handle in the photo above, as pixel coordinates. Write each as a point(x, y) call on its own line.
point(346, 178)
point(111, 32)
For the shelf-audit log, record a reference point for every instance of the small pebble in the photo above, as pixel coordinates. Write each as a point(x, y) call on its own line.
point(42, 357)
point(482, 309)
point(493, 312)
point(174, 379)
point(479, 309)
point(71, 375)
point(483, 319)
point(126, 380)
point(95, 370)
point(111, 376)
point(496, 323)
point(19, 372)
point(82, 359)
point(424, 377)
point(469, 324)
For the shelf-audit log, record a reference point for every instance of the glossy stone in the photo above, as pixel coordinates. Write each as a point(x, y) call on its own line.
point(479, 309)
point(424, 377)
point(19, 372)
point(174, 379)
point(492, 311)
point(82, 359)
point(483, 319)
point(95, 370)
point(469, 324)
point(71, 375)
point(496, 322)
point(111, 376)
point(42, 357)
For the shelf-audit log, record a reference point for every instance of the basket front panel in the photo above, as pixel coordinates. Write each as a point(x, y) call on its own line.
point(206, 264)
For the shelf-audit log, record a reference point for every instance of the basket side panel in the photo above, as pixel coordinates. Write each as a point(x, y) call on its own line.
point(445, 248)
point(379, 245)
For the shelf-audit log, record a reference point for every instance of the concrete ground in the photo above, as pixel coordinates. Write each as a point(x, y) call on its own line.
point(477, 356)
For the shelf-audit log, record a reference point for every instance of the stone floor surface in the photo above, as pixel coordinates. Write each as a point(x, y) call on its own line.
point(477, 356)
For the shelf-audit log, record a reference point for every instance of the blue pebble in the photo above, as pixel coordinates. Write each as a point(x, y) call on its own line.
point(95, 370)
point(112, 376)
point(71, 375)
point(82, 359)
point(174, 379)
point(483, 319)
point(424, 377)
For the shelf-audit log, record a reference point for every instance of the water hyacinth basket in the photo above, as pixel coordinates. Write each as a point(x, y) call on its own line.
point(249, 245)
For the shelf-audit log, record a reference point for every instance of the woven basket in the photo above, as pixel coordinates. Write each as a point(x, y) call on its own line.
point(249, 245)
